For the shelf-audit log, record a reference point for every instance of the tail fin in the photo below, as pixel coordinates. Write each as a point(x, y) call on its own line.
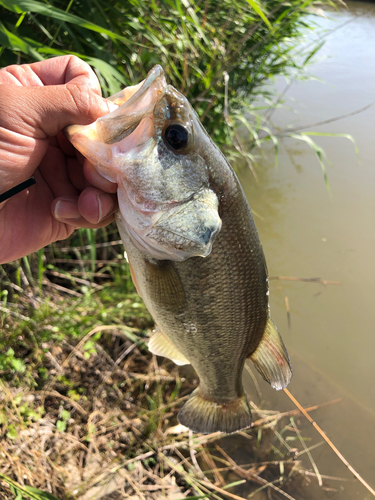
point(205, 416)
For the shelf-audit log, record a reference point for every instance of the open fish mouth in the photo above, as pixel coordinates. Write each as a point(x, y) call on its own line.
point(134, 104)
point(128, 108)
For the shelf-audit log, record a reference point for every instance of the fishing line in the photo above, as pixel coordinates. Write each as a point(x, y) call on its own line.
point(17, 189)
point(329, 442)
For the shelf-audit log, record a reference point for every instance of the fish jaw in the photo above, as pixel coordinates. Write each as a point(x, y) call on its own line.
point(124, 95)
point(138, 102)
point(178, 232)
point(86, 140)
point(127, 110)
point(188, 229)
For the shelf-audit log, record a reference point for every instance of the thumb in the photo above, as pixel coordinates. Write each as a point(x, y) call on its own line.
point(43, 111)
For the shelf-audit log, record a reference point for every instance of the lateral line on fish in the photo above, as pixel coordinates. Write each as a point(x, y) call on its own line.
point(329, 442)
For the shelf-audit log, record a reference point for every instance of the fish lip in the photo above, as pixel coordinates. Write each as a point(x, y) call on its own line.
point(155, 76)
point(120, 98)
point(130, 113)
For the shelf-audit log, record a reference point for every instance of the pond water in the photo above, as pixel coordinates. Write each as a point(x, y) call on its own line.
point(309, 232)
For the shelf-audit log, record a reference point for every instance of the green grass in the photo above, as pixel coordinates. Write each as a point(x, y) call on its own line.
point(197, 43)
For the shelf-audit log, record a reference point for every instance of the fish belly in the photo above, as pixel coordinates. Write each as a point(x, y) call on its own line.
point(214, 311)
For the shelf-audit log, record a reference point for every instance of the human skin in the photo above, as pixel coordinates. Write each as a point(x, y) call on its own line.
point(36, 102)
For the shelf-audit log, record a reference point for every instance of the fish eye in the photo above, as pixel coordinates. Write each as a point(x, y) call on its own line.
point(177, 136)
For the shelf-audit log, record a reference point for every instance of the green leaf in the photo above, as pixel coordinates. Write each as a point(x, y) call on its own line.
point(235, 483)
point(55, 13)
point(254, 5)
point(14, 42)
point(88, 345)
point(61, 425)
point(12, 432)
point(333, 134)
point(318, 151)
point(40, 495)
point(18, 365)
point(3, 417)
point(65, 415)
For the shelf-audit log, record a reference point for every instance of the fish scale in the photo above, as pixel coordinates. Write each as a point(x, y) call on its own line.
point(193, 248)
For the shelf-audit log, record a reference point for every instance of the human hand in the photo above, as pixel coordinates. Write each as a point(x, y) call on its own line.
point(36, 102)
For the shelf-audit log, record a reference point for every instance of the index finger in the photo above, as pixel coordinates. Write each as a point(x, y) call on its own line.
point(54, 71)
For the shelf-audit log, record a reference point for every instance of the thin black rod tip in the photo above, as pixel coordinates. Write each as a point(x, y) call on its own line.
point(17, 189)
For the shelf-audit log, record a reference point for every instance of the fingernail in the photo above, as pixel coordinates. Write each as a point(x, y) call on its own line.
point(66, 209)
point(105, 206)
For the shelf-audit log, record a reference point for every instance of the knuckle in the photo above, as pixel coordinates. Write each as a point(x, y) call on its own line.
point(13, 68)
point(77, 95)
point(84, 101)
point(75, 59)
point(16, 74)
point(76, 62)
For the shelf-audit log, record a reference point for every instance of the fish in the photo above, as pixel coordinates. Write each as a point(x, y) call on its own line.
point(192, 245)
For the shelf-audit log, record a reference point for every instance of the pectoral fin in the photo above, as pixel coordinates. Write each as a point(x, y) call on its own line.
point(165, 287)
point(135, 282)
point(271, 358)
point(161, 346)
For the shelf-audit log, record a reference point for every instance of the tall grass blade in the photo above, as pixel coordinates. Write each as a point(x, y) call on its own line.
point(254, 5)
point(24, 492)
point(334, 134)
point(318, 151)
point(41, 268)
point(26, 263)
point(14, 42)
point(51, 11)
point(91, 236)
point(329, 442)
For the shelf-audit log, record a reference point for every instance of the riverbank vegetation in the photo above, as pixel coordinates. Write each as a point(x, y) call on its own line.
point(221, 54)
point(85, 409)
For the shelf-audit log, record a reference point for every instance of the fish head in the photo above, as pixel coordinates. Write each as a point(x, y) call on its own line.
point(154, 147)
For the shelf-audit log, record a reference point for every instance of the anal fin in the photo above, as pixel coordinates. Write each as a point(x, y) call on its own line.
point(161, 346)
point(271, 358)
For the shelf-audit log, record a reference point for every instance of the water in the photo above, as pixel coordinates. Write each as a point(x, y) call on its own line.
point(308, 232)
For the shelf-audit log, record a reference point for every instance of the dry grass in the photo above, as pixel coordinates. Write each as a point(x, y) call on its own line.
point(87, 412)
point(104, 426)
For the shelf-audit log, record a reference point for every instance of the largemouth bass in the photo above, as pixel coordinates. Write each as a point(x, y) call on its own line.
point(193, 248)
